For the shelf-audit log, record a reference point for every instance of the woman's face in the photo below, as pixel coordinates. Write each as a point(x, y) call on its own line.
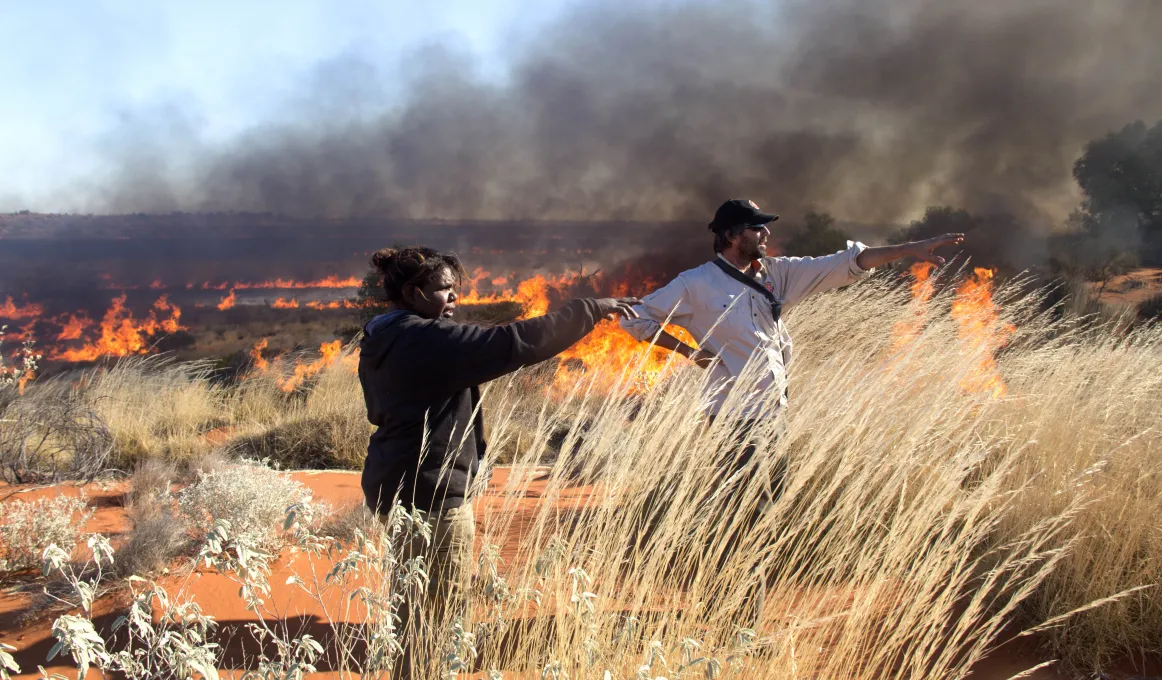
point(436, 299)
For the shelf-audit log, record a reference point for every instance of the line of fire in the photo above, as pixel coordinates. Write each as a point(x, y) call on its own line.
point(175, 316)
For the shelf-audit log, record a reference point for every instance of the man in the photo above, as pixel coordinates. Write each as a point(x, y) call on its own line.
point(733, 303)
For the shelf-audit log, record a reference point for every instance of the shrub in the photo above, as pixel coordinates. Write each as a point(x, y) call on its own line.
point(347, 522)
point(52, 434)
point(27, 528)
point(155, 406)
point(159, 529)
point(307, 443)
point(158, 535)
point(16, 377)
point(252, 497)
point(1151, 309)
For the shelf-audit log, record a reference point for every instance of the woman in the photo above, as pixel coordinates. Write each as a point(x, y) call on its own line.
point(421, 372)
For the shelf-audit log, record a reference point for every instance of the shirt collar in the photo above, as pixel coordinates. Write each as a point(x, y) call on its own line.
point(756, 266)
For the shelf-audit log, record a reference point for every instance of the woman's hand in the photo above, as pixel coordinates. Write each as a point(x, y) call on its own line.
point(611, 308)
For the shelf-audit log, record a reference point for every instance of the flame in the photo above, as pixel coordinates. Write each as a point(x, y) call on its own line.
point(23, 381)
point(331, 281)
point(332, 304)
point(610, 348)
point(904, 332)
point(980, 331)
point(329, 353)
point(478, 275)
point(24, 334)
point(260, 364)
point(10, 311)
point(282, 303)
point(157, 285)
point(227, 302)
point(75, 327)
point(121, 334)
point(532, 294)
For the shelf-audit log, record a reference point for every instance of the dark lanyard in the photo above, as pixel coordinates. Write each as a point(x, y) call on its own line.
point(734, 273)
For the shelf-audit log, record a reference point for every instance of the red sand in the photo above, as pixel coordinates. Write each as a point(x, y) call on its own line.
point(219, 595)
point(1130, 289)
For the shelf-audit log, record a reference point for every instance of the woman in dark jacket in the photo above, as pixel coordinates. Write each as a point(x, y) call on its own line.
point(420, 373)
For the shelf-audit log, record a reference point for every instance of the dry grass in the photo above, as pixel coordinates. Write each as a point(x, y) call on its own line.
point(919, 520)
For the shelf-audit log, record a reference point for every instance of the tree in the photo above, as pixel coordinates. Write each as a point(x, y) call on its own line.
point(1120, 176)
point(370, 297)
point(817, 236)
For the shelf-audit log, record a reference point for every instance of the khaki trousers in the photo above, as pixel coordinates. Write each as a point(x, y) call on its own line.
point(449, 564)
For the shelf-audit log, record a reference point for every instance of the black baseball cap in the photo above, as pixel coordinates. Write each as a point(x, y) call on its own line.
point(738, 212)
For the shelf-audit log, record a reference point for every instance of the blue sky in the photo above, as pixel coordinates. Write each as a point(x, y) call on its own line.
point(72, 71)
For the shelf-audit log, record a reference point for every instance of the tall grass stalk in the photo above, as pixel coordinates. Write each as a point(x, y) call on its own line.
point(920, 523)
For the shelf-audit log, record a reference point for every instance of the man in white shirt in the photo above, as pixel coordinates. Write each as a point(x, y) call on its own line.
point(732, 306)
point(732, 318)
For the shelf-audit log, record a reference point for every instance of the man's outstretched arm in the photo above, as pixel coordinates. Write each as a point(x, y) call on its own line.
point(871, 258)
point(698, 356)
point(671, 303)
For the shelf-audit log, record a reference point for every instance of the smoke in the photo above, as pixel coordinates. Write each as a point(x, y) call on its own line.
point(871, 109)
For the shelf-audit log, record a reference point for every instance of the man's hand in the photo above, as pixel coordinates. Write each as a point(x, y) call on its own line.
point(611, 308)
point(871, 258)
point(922, 250)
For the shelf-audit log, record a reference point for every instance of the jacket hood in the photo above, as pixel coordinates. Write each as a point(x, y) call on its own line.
point(380, 334)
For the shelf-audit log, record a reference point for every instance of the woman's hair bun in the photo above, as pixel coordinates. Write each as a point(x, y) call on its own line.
point(382, 259)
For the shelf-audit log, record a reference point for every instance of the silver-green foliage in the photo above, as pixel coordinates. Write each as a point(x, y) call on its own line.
point(251, 498)
point(28, 528)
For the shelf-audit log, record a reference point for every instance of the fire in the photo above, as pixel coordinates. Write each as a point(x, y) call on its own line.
point(284, 303)
point(122, 335)
point(23, 381)
point(607, 347)
point(260, 364)
point(9, 310)
point(611, 348)
point(26, 354)
point(980, 331)
point(532, 294)
point(978, 328)
point(329, 353)
point(478, 275)
point(331, 281)
point(332, 304)
point(75, 327)
point(904, 332)
point(157, 285)
point(227, 302)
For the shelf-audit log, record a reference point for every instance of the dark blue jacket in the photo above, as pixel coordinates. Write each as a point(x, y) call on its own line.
point(425, 373)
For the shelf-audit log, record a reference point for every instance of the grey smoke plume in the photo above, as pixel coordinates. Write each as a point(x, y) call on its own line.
point(871, 109)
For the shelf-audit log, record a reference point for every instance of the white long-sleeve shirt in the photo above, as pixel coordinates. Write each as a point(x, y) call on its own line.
point(733, 321)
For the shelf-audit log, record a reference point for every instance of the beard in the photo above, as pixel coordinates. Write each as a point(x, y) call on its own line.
point(752, 251)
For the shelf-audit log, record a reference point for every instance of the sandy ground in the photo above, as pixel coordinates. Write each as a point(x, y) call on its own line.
point(1131, 289)
point(30, 633)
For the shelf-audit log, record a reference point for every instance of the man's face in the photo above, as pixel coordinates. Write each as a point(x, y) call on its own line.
point(752, 242)
point(437, 299)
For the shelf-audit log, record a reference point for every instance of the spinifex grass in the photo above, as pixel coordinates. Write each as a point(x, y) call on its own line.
point(920, 522)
